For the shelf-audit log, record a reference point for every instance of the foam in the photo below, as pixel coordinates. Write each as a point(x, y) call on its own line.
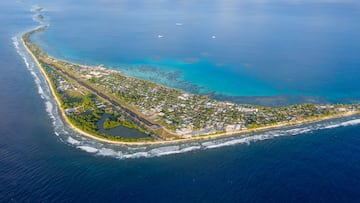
point(49, 108)
point(209, 143)
point(136, 148)
point(244, 140)
point(352, 122)
point(344, 124)
point(164, 150)
point(110, 152)
point(88, 149)
point(135, 155)
point(31, 67)
point(297, 131)
point(189, 149)
point(253, 138)
point(73, 141)
point(125, 152)
point(155, 152)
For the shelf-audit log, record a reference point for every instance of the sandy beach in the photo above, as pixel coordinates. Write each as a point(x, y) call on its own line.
point(205, 137)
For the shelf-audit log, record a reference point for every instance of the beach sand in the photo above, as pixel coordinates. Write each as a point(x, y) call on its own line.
point(205, 137)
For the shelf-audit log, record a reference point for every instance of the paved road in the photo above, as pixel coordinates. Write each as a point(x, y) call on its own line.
point(131, 113)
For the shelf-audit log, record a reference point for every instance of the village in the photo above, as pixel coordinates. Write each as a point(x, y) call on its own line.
point(87, 93)
point(189, 115)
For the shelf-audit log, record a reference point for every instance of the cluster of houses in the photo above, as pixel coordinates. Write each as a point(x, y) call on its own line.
point(77, 110)
point(72, 111)
point(62, 84)
point(190, 115)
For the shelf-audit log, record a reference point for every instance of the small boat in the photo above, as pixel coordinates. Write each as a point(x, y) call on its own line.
point(213, 37)
point(178, 24)
point(160, 36)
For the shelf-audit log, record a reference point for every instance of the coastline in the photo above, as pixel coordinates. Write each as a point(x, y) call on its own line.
point(203, 137)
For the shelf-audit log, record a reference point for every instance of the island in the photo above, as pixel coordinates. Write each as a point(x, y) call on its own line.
point(91, 98)
point(40, 18)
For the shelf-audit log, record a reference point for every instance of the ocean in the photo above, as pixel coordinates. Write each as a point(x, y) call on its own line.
point(255, 49)
point(293, 52)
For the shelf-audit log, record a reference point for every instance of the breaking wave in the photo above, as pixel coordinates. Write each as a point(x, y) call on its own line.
point(72, 138)
point(126, 152)
point(344, 124)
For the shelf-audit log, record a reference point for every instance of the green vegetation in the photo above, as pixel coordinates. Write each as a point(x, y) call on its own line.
point(83, 108)
point(86, 122)
point(110, 124)
point(128, 124)
point(87, 93)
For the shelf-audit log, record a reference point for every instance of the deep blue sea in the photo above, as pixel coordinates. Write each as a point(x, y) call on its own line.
point(288, 51)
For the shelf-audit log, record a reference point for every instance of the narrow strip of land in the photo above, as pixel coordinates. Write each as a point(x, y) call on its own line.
point(102, 95)
point(86, 94)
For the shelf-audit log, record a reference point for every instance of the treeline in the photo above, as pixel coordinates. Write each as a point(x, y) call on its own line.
point(113, 122)
point(86, 121)
point(110, 124)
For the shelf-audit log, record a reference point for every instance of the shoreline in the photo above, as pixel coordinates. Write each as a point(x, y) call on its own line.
point(195, 138)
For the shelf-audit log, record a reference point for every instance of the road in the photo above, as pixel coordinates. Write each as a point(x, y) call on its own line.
point(153, 126)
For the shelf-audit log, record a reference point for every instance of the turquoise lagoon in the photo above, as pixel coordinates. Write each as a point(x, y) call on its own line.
point(265, 53)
